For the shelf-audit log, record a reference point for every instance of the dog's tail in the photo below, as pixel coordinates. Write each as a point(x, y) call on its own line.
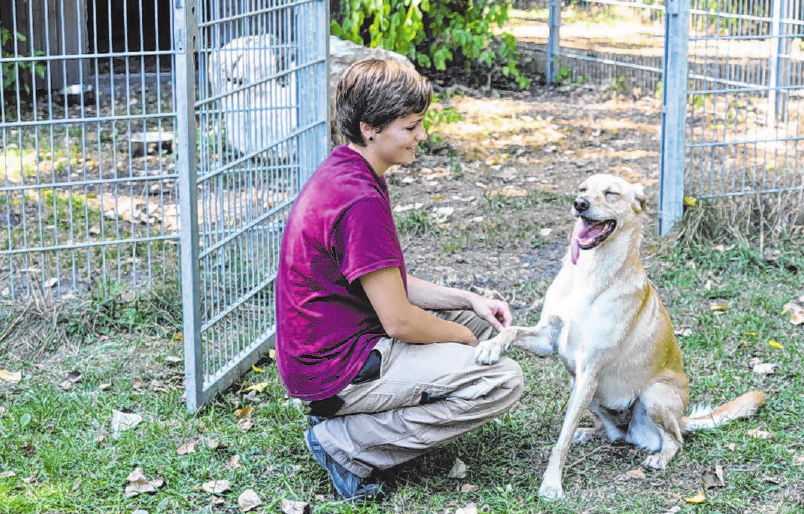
point(741, 407)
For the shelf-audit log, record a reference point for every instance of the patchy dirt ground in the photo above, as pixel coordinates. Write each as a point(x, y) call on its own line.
point(488, 208)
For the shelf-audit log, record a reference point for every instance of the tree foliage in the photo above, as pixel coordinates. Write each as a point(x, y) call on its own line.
point(435, 34)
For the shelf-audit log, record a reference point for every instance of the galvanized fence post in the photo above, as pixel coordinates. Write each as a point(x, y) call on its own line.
point(185, 40)
point(553, 41)
point(778, 52)
point(674, 109)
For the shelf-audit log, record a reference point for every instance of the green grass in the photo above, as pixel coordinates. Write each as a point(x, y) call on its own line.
point(58, 454)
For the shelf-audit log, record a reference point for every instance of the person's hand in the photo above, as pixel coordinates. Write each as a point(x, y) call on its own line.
point(495, 312)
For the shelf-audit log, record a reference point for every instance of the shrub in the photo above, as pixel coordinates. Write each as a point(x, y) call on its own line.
point(435, 34)
point(17, 77)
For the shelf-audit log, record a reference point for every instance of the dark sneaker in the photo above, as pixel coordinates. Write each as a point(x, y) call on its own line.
point(351, 487)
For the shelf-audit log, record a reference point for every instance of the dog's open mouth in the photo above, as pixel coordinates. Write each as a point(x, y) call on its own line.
point(588, 234)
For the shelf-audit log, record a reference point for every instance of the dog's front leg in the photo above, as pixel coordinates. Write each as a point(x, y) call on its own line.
point(582, 392)
point(541, 340)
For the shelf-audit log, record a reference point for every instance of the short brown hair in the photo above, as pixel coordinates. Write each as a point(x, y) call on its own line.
point(378, 91)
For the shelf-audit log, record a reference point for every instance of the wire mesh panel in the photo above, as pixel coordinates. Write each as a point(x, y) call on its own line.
point(746, 86)
point(620, 43)
point(87, 182)
point(261, 114)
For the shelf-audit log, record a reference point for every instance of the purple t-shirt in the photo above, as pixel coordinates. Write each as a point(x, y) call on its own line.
point(340, 228)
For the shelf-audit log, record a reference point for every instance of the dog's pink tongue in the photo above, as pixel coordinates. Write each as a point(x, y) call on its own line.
point(583, 234)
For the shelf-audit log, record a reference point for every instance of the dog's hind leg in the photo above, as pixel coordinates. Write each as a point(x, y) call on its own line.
point(583, 435)
point(605, 426)
point(655, 425)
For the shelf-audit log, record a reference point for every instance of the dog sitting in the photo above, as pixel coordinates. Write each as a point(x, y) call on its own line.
point(610, 329)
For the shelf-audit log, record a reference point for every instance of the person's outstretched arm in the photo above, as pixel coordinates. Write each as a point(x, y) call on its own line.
point(405, 321)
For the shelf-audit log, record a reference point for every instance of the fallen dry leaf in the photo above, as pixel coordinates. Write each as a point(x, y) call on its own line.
point(458, 469)
point(719, 473)
point(135, 475)
point(764, 368)
point(217, 486)
point(775, 345)
point(796, 312)
point(759, 434)
point(258, 387)
point(698, 498)
point(245, 412)
point(718, 307)
point(636, 473)
point(294, 507)
point(232, 462)
point(139, 484)
point(188, 447)
point(243, 417)
point(122, 421)
point(469, 509)
point(710, 480)
point(468, 488)
point(12, 377)
point(248, 500)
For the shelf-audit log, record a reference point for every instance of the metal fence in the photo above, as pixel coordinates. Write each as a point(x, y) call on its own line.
point(735, 136)
point(147, 139)
point(87, 202)
point(744, 116)
point(261, 118)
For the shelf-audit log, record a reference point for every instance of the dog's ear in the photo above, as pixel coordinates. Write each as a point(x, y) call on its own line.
point(640, 202)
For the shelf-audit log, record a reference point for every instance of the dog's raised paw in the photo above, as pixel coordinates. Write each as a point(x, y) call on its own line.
point(487, 352)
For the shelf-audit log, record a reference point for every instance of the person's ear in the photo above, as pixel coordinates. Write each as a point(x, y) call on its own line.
point(367, 131)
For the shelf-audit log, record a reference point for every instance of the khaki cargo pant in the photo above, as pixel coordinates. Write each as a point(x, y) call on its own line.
point(426, 396)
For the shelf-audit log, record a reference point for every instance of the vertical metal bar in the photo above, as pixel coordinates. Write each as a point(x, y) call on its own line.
point(775, 61)
point(184, 43)
point(553, 41)
point(674, 109)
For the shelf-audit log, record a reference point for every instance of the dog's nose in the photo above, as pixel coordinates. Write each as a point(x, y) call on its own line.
point(581, 204)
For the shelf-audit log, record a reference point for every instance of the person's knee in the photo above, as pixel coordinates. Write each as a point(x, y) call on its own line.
point(514, 377)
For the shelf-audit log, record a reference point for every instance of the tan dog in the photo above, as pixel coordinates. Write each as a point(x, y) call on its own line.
point(614, 336)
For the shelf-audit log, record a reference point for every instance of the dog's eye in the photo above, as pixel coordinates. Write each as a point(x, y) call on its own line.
point(612, 195)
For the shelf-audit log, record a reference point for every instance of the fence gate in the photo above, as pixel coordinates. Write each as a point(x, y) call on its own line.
point(251, 127)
